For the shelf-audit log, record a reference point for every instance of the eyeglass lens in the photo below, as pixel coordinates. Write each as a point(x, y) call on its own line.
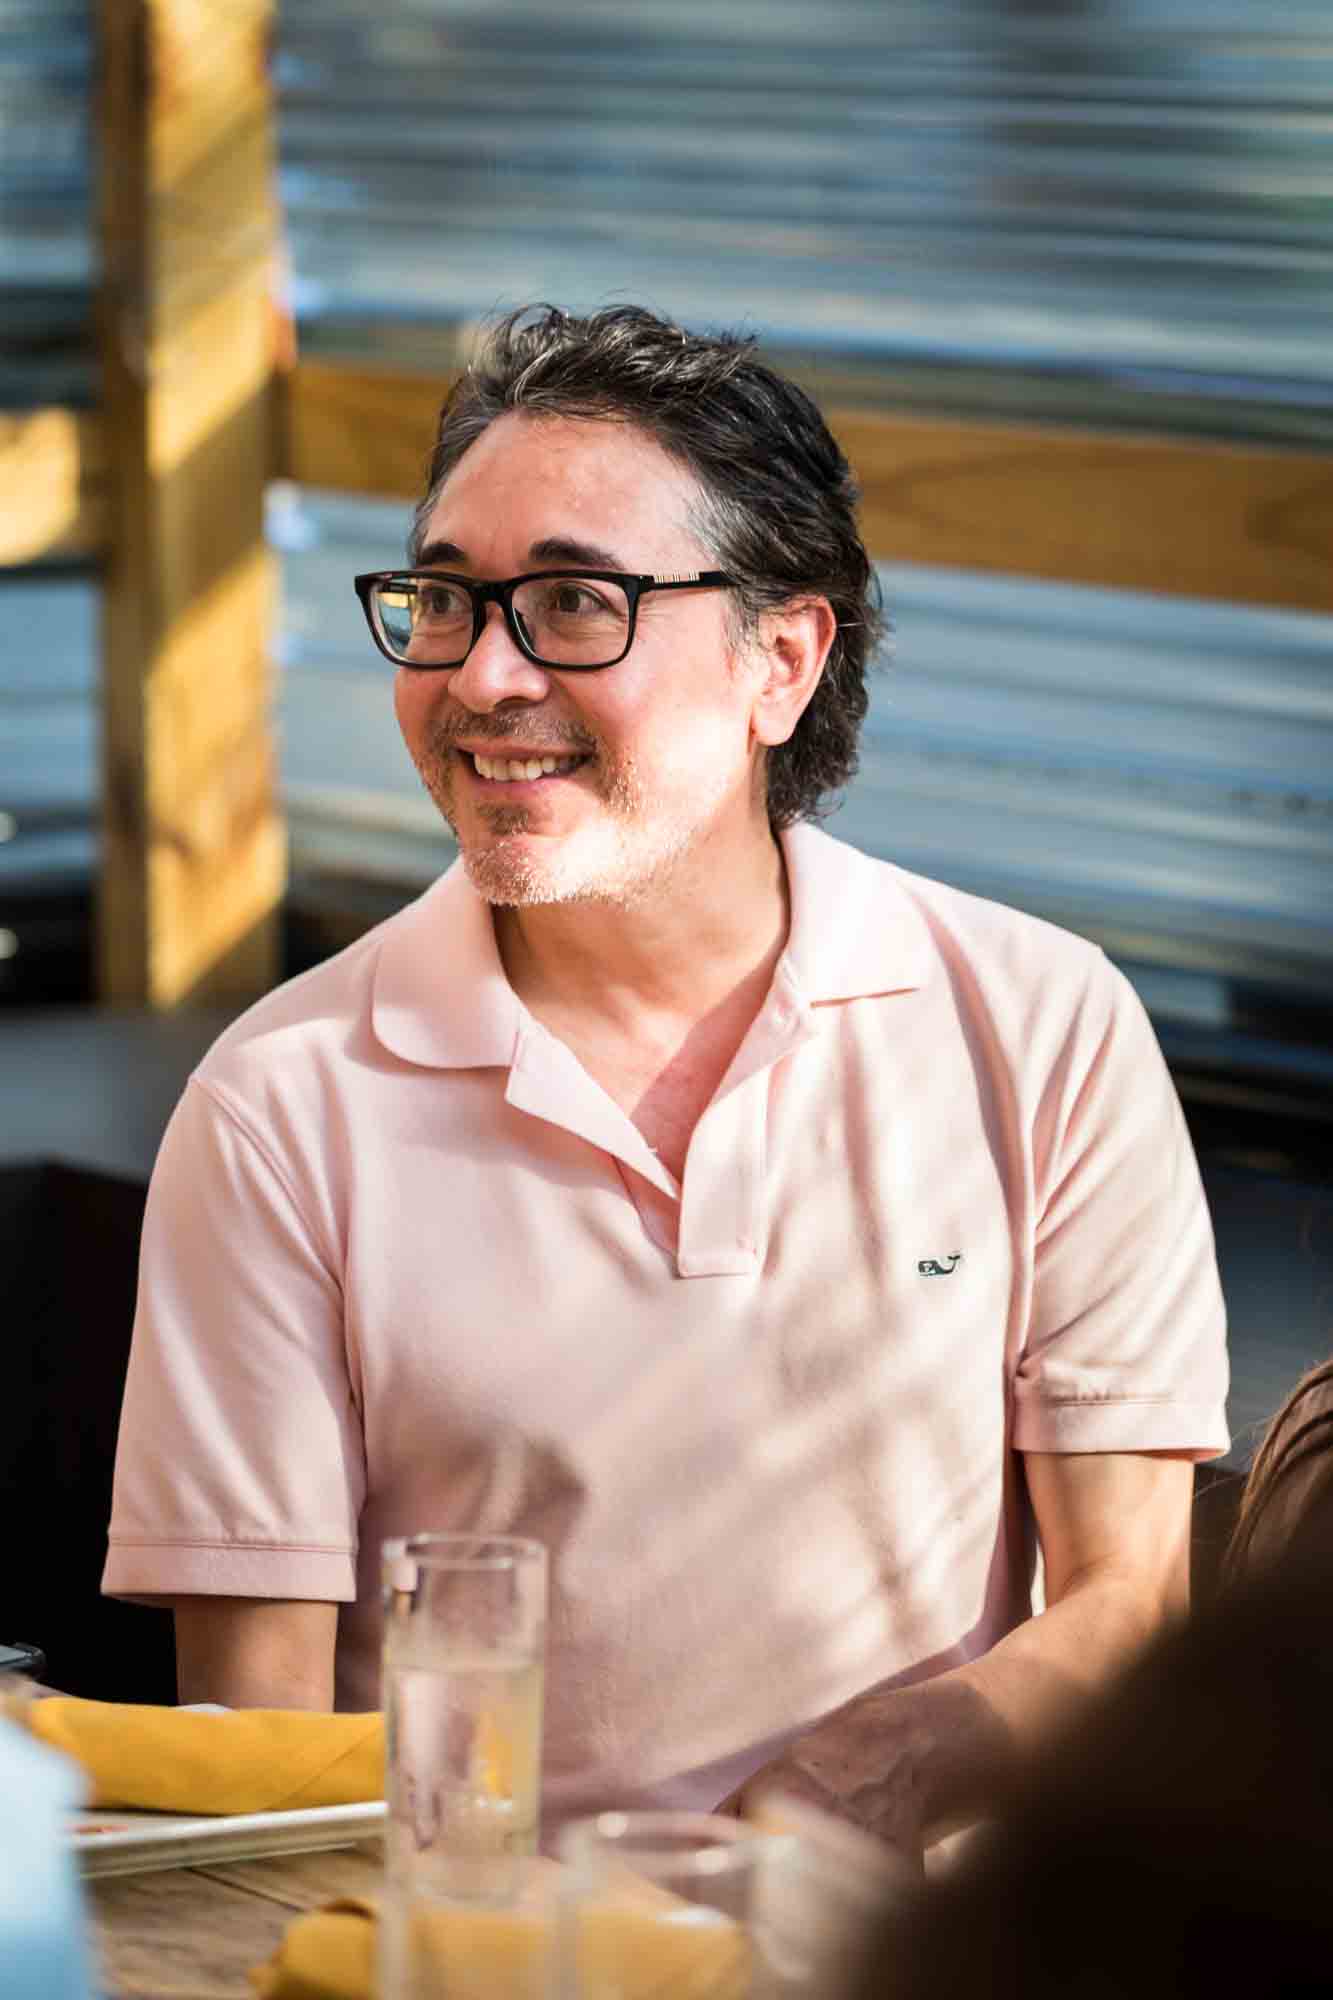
point(572, 621)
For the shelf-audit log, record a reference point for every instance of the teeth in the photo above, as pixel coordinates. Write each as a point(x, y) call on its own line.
point(512, 769)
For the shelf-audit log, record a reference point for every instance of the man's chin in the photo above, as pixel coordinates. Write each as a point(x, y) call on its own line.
point(509, 886)
point(517, 874)
point(507, 872)
point(507, 876)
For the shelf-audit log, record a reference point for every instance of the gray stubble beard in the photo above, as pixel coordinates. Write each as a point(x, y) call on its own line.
point(501, 879)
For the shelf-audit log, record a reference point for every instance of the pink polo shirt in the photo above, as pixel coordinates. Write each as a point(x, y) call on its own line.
point(406, 1266)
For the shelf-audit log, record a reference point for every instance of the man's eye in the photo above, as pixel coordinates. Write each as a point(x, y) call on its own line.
point(441, 600)
point(570, 599)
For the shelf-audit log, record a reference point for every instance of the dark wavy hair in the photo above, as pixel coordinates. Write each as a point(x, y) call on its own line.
point(1288, 1493)
point(777, 505)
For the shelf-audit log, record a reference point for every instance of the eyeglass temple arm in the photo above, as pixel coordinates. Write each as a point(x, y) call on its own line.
point(686, 580)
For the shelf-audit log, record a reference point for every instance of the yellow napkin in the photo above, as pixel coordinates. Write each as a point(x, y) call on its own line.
point(244, 1760)
point(629, 1949)
point(327, 1955)
point(642, 1951)
point(477, 1954)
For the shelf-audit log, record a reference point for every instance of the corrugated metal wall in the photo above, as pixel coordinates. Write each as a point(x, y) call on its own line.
point(1121, 207)
point(1127, 184)
point(1120, 185)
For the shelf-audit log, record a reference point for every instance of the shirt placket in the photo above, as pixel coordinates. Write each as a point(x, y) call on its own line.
point(723, 1207)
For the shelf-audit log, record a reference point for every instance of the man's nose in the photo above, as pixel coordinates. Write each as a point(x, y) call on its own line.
point(496, 671)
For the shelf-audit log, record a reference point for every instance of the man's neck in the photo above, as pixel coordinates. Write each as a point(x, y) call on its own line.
point(708, 935)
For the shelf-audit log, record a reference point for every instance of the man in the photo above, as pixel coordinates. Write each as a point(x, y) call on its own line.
point(776, 1235)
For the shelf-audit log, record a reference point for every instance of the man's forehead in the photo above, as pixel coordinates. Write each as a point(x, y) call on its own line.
point(591, 466)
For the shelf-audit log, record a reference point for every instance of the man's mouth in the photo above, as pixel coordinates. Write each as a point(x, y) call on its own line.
point(521, 770)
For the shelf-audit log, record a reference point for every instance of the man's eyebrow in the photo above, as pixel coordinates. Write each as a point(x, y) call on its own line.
point(433, 554)
point(560, 549)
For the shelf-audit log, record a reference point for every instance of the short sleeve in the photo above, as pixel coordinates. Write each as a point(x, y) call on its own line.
point(1125, 1347)
point(240, 1462)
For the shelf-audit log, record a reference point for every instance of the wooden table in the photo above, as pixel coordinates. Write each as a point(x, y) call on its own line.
point(194, 1933)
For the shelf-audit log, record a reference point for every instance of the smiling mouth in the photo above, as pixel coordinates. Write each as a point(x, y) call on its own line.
point(521, 770)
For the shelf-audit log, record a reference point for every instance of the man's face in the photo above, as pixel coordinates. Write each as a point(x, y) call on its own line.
point(652, 754)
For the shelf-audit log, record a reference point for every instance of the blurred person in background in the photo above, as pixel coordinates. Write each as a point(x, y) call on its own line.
point(1178, 1840)
point(791, 1243)
point(1288, 1493)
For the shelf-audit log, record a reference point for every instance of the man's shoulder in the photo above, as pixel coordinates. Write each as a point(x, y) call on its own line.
point(1027, 994)
point(996, 936)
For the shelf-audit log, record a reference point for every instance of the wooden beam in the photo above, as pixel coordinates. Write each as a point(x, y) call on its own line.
point(359, 430)
point(1249, 523)
point(1253, 523)
point(193, 863)
point(52, 498)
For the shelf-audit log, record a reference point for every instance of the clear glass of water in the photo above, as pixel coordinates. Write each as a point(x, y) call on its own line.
point(657, 1903)
point(464, 1648)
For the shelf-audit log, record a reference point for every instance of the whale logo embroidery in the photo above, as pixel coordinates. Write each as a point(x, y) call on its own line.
point(931, 1267)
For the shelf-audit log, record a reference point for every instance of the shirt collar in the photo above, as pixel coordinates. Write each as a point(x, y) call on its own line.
point(440, 994)
point(441, 998)
point(855, 928)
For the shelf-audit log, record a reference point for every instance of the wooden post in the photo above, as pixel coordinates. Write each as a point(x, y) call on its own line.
point(194, 852)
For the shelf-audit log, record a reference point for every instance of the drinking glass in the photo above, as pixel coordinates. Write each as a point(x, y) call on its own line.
point(464, 1643)
point(659, 1903)
point(826, 1899)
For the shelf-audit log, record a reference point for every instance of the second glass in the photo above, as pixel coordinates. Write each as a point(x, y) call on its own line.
point(660, 1903)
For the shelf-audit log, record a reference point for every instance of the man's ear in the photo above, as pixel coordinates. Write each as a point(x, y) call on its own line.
point(791, 647)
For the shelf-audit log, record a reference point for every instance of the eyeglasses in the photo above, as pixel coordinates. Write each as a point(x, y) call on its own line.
point(577, 619)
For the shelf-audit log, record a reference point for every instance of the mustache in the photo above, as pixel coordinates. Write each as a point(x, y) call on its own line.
point(511, 729)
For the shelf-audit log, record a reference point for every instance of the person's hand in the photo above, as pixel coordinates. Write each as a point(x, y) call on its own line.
point(866, 1763)
point(20, 1688)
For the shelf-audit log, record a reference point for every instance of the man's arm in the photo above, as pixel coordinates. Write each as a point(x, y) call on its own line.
point(239, 1407)
point(255, 1652)
point(911, 1763)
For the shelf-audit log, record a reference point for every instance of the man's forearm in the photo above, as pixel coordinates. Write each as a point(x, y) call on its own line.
point(909, 1763)
point(1114, 1530)
point(913, 1763)
point(979, 1722)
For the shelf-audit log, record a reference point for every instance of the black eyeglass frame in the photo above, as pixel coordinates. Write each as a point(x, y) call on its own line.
point(502, 593)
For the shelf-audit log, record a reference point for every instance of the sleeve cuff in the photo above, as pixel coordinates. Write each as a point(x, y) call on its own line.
point(192, 1569)
point(1191, 1430)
